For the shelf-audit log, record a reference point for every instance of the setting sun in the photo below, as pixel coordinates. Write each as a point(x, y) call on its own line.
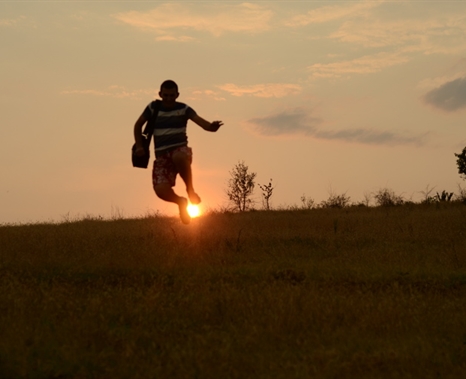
point(194, 210)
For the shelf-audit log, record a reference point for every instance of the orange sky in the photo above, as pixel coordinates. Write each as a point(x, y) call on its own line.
point(329, 96)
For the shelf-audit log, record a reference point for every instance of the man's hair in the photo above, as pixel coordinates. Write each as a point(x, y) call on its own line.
point(169, 84)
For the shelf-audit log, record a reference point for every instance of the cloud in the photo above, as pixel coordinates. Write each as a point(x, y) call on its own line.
point(262, 90)
point(332, 13)
point(291, 122)
point(429, 84)
point(455, 71)
point(114, 91)
point(449, 97)
point(364, 65)
point(369, 137)
point(381, 33)
point(428, 35)
point(120, 92)
point(245, 17)
point(298, 122)
point(209, 94)
point(11, 22)
point(401, 39)
point(175, 39)
point(366, 24)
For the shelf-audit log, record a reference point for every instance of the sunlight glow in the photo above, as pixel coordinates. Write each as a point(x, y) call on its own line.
point(194, 210)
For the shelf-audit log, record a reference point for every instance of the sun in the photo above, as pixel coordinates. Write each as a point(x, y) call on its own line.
point(194, 210)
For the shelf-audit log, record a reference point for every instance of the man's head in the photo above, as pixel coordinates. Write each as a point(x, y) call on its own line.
point(168, 93)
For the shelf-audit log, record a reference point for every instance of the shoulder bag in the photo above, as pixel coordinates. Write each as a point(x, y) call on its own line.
point(143, 160)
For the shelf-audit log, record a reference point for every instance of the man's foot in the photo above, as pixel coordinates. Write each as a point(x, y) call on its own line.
point(194, 197)
point(183, 207)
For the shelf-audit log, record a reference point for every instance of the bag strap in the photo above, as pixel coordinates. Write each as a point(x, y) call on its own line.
point(149, 129)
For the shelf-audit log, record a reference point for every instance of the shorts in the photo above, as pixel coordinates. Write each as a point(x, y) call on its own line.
point(164, 170)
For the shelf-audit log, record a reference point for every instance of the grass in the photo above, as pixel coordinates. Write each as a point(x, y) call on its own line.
point(324, 293)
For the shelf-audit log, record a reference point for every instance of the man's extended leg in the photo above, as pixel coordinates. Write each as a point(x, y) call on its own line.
point(165, 192)
point(182, 162)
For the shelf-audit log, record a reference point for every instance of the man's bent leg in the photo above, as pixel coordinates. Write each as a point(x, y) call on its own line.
point(165, 192)
point(182, 161)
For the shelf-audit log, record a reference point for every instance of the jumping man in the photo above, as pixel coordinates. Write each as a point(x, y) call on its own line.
point(173, 156)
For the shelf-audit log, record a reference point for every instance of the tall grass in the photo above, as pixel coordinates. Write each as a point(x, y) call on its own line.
point(322, 293)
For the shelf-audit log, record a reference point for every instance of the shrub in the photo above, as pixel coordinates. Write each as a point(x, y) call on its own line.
point(444, 196)
point(386, 197)
point(241, 187)
point(336, 201)
point(267, 192)
point(307, 202)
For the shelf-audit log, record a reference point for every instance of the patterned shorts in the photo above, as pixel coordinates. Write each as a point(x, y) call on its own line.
point(164, 170)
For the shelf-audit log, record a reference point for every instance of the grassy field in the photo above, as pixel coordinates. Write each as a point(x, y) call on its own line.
point(324, 293)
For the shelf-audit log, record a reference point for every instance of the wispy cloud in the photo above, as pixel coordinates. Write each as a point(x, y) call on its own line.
point(365, 27)
point(205, 94)
point(262, 90)
point(364, 23)
point(429, 35)
point(333, 12)
point(364, 65)
point(381, 33)
point(449, 97)
point(120, 92)
point(370, 137)
point(115, 91)
point(216, 19)
point(12, 21)
point(175, 38)
point(290, 122)
point(299, 122)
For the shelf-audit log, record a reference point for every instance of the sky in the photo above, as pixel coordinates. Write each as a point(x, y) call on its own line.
point(322, 97)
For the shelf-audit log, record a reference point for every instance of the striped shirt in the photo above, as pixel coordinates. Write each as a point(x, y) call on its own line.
point(170, 126)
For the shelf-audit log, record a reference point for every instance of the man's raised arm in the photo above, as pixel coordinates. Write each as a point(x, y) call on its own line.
point(206, 125)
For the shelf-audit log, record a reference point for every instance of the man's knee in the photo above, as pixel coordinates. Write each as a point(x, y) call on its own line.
point(163, 190)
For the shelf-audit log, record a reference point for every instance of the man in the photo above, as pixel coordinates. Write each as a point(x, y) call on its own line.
point(173, 156)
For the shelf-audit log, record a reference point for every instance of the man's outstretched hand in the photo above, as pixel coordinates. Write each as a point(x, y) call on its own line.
point(215, 125)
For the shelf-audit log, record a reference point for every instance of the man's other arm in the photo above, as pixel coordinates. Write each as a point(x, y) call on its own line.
point(206, 125)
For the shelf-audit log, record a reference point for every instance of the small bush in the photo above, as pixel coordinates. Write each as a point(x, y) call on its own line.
point(336, 201)
point(428, 199)
point(386, 197)
point(307, 202)
point(444, 196)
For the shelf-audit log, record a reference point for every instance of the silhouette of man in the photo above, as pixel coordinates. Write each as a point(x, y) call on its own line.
point(172, 154)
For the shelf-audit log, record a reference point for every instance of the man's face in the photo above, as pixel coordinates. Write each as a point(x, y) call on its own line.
point(168, 96)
